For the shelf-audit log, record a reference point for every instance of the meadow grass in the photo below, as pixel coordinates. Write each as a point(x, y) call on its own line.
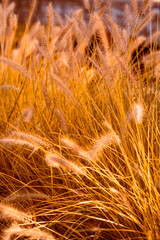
point(79, 129)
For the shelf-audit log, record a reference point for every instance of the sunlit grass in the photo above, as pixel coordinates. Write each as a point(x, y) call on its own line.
point(79, 130)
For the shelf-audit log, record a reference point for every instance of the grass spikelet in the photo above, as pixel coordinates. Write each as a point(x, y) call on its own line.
point(109, 7)
point(56, 161)
point(50, 18)
point(9, 87)
point(14, 214)
point(147, 5)
point(32, 233)
point(57, 15)
point(128, 18)
point(18, 67)
point(27, 114)
point(135, 10)
point(63, 87)
point(70, 144)
point(127, 70)
point(97, 3)
point(117, 36)
point(47, 97)
point(7, 142)
point(102, 34)
point(31, 138)
point(62, 35)
point(61, 119)
point(23, 196)
point(87, 4)
point(43, 48)
point(137, 113)
point(144, 22)
point(103, 142)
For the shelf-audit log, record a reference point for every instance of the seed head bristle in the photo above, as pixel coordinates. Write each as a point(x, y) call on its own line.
point(14, 214)
point(32, 233)
point(7, 142)
point(137, 113)
point(56, 160)
point(103, 142)
point(76, 148)
point(9, 87)
point(31, 138)
point(27, 114)
point(61, 119)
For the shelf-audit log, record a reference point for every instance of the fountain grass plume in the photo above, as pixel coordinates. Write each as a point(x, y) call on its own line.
point(55, 160)
point(12, 213)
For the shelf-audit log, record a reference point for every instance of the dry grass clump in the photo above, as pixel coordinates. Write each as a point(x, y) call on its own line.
point(79, 129)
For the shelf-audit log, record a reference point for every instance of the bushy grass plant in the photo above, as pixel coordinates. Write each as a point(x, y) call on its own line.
point(79, 129)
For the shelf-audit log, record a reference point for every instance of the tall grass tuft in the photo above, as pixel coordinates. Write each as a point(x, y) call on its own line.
point(79, 124)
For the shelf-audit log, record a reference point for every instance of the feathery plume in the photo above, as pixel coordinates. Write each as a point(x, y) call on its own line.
point(137, 113)
point(70, 144)
point(27, 114)
point(9, 87)
point(32, 233)
point(56, 161)
point(47, 97)
point(103, 142)
point(30, 138)
point(117, 36)
point(97, 3)
point(87, 4)
point(144, 22)
point(61, 119)
point(17, 67)
point(21, 196)
point(147, 6)
point(50, 17)
point(102, 33)
point(57, 15)
point(63, 87)
point(128, 19)
point(43, 45)
point(135, 10)
point(7, 142)
point(14, 214)
point(62, 35)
